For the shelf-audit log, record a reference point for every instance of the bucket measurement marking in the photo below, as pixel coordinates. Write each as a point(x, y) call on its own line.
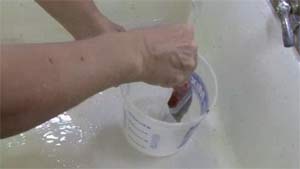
point(139, 122)
point(154, 141)
point(134, 141)
point(137, 135)
point(135, 127)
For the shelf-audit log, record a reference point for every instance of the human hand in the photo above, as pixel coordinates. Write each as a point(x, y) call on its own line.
point(163, 55)
point(170, 55)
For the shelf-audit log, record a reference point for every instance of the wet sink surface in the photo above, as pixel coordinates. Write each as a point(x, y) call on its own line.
point(90, 135)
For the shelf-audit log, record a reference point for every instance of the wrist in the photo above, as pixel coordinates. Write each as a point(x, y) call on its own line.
point(117, 55)
point(132, 56)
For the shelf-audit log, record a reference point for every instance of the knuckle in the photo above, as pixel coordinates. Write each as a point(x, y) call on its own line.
point(192, 65)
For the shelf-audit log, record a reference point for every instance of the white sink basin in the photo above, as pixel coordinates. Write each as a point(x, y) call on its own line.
point(259, 81)
point(255, 122)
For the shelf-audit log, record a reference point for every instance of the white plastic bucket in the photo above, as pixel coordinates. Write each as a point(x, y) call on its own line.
point(160, 138)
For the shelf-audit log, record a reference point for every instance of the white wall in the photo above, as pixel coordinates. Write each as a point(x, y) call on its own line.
point(26, 21)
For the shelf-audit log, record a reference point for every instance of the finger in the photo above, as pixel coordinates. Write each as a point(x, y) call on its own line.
point(187, 33)
point(181, 85)
point(187, 61)
point(190, 33)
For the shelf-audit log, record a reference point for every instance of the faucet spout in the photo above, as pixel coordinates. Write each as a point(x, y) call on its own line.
point(283, 10)
point(288, 11)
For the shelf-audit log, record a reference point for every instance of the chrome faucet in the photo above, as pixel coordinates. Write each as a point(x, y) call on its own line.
point(288, 12)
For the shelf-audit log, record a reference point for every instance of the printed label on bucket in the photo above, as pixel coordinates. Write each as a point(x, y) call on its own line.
point(154, 141)
point(137, 131)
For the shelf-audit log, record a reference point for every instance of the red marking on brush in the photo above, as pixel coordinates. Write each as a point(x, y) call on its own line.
point(177, 94)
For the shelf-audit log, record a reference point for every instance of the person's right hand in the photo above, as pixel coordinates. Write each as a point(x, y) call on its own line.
point(163, 55)
point(169, 55)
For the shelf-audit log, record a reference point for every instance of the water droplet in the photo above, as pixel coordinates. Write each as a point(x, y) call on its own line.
point(54, 120)
point(49, 132)
point(62, 138)
point(39, 126)
point(50, 141)
point(52, 137)
point(65, 118)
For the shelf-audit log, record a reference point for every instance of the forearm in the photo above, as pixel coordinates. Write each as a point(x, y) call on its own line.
point(80, 17)
point(40, 81)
